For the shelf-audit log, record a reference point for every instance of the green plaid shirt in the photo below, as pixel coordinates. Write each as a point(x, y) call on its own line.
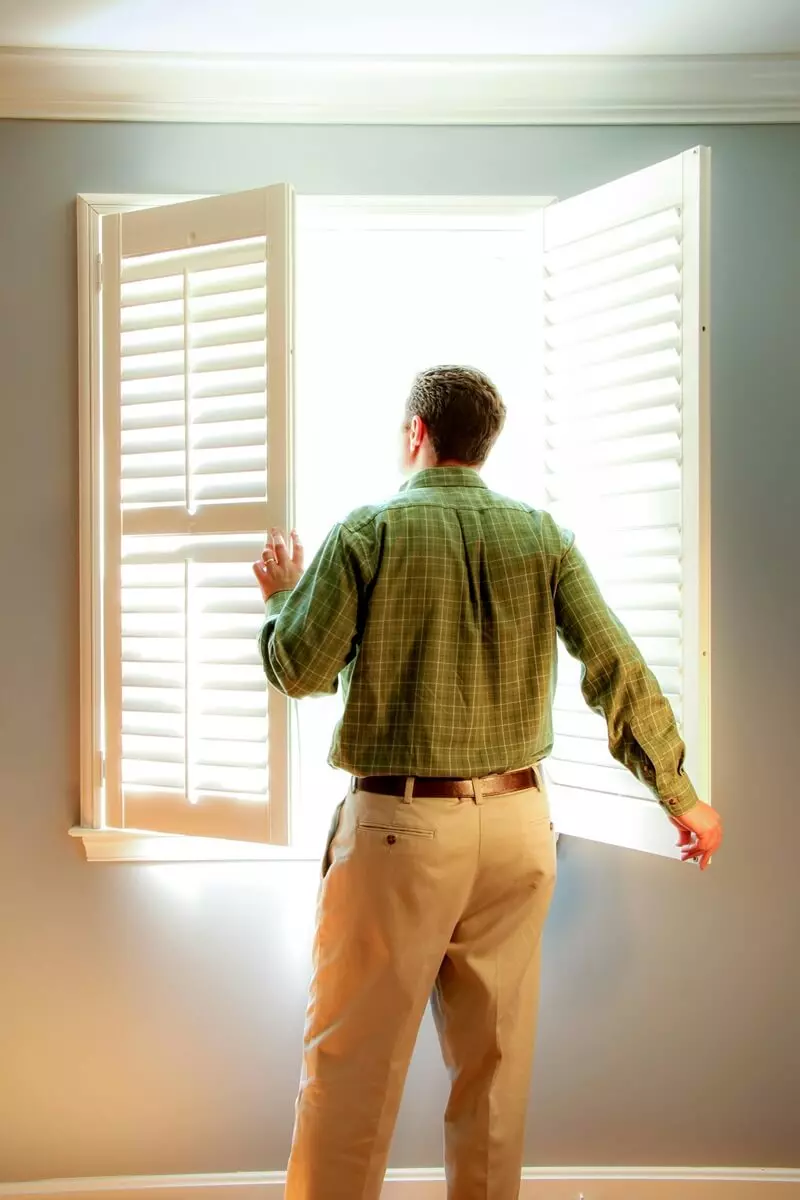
point(439, 612)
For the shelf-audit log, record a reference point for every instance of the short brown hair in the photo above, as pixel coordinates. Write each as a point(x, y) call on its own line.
point(462, 411)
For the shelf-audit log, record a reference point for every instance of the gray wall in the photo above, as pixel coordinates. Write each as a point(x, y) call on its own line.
point(152, 1015)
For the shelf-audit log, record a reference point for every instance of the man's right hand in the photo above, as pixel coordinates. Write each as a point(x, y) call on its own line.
point(280, 567)
point(699, 833)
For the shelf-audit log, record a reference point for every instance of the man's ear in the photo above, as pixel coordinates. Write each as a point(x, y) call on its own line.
point(417, 432)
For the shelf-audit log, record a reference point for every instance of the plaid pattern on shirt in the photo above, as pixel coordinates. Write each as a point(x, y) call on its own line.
point(439, 611)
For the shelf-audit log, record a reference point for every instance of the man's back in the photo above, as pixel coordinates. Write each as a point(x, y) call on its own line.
point(455, 666)
point(439, 612)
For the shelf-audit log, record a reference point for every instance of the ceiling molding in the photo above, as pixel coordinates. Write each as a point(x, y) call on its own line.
point(114, 86)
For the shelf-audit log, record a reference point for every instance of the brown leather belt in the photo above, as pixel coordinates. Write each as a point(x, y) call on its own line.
point(491, 785)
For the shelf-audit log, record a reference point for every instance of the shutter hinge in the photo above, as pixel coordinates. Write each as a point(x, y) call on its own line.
point(101, 766)
point(99, 270)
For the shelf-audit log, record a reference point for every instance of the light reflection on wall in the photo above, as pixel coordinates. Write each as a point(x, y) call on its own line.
point(280, 895)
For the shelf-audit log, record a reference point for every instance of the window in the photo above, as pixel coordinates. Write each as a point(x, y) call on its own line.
point(385, 288)
point(202, 428)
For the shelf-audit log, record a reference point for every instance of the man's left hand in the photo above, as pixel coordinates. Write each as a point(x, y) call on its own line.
point(280, 567)
point(699, 834)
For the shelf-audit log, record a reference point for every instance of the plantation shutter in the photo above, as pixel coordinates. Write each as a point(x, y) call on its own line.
point(196, 419)
point(626, 468)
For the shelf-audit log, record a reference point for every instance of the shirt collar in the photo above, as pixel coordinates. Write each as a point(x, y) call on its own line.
point(435, 477)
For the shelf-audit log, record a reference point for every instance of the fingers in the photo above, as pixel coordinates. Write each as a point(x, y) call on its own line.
point(268, 555)
point(702, 850)
point(280, 548)
point(705, 860)
point(261, 572)
point(276, 551)
point(685, 837)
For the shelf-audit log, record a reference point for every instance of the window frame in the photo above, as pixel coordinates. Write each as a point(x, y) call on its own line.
point(102, 843)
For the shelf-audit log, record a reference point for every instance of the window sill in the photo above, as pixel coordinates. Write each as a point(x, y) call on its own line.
point(130, 845)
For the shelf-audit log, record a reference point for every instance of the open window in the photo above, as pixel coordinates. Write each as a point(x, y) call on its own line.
point(192, 445)
point(626, 468)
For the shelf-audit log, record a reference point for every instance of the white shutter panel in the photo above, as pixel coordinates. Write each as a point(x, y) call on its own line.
point(196, 341)
point(626, 463)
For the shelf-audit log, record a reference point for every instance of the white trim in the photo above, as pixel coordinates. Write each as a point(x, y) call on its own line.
point(91, 767)
point(134, 845)
point(101, 204)
point(324, 212)
point(508, 90)
point(539, 1183)
point(280, 468)
point(696, 467)
point(108, 568)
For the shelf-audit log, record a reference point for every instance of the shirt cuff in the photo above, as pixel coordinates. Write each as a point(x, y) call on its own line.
point(680, 797)
point(276, 602)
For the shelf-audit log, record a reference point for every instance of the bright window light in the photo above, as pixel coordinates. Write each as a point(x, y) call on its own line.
point(381, 297)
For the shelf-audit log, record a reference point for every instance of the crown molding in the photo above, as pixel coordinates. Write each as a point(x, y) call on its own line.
point(113, 86)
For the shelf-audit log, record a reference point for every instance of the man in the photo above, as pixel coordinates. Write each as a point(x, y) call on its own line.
point(439, 611)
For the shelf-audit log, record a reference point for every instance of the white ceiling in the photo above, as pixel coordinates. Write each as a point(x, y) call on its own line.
point(410, 27)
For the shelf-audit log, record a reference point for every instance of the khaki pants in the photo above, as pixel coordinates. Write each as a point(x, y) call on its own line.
point(432, 896)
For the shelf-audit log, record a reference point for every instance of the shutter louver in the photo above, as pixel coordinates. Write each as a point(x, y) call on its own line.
point(195, 331)
point(194, 706)
point(618, 413)
point(194, 376)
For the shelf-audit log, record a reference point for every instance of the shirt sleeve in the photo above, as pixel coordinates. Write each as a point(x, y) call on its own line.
point(311, 633)
point(617, 683)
